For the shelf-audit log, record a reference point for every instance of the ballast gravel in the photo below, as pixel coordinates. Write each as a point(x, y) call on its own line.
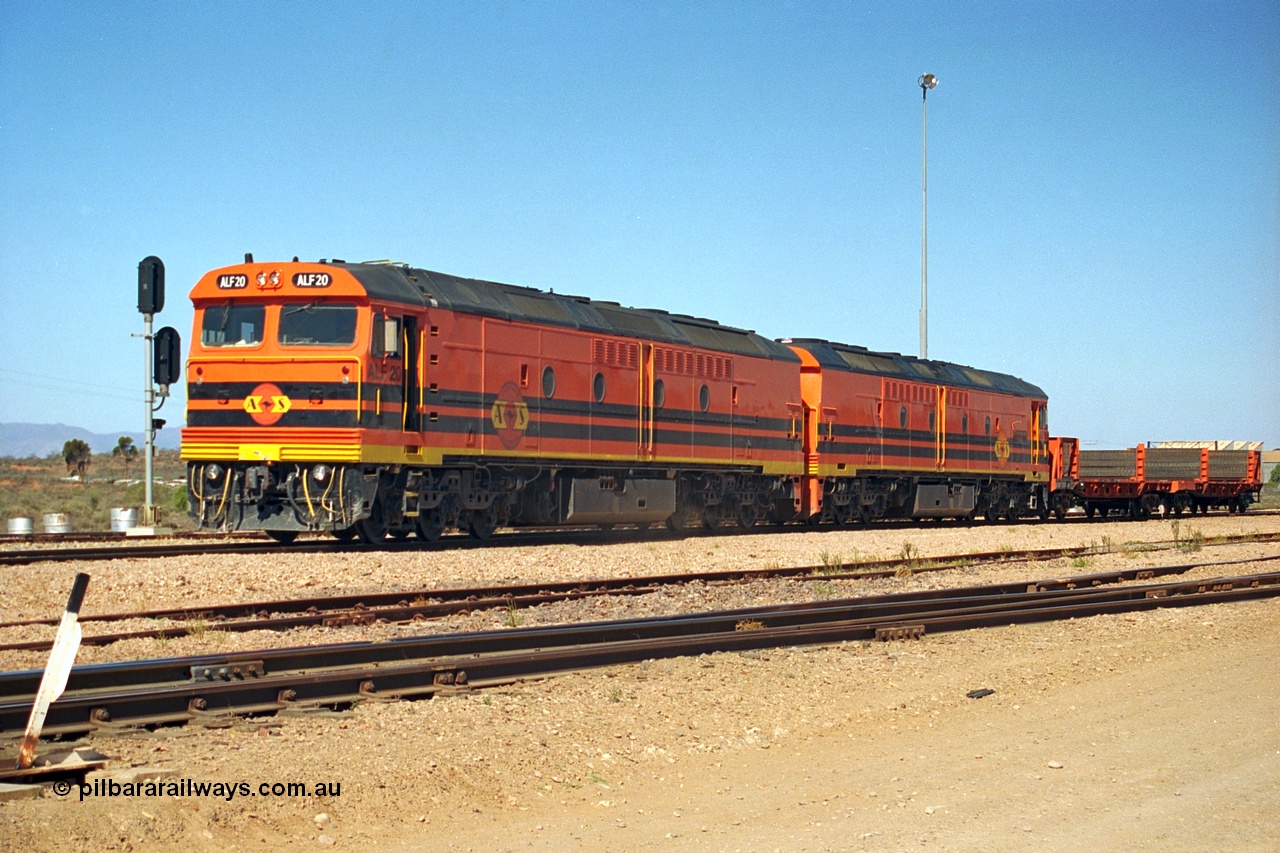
point(1154, 730)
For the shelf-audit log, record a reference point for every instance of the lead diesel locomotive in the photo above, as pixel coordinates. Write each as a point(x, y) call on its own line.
point(376, 399)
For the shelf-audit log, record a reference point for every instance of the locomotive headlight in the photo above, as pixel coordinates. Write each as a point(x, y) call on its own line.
point(213, 472)
point(262, 278)
point(320, 473)
point(275, 276)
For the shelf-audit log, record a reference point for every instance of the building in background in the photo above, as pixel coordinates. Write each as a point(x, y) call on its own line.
point(1270, 459)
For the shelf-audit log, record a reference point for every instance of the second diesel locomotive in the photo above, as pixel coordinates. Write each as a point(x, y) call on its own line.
point(377, 399)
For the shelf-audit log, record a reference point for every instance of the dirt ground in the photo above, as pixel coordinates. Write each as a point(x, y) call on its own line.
point(1152, 731)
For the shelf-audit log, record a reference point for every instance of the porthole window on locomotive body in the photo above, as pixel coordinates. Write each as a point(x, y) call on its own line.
point(986, 426)
point(659, 394)
point(548, 382)
point(704, 397)
point(597, 387)
point(902, 417)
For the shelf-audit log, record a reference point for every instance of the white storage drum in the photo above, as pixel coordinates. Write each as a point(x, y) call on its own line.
point(123, 518)
point(57, 522)
point(21, 526)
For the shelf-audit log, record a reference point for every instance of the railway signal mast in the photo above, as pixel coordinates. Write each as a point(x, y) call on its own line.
point(163, 357)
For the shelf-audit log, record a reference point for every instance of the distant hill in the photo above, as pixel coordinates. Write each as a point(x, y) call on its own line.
point(22, 440)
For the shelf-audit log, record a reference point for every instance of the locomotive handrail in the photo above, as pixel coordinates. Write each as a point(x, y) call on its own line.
point(940, 430)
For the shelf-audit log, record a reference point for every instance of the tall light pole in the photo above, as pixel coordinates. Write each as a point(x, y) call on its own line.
point(927, 82)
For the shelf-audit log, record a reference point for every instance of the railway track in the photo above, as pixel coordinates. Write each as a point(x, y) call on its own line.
point(197, 543)
point(182, 690)
point(405, 606)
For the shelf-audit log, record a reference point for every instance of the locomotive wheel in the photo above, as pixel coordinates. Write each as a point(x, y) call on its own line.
point(747, 515)
point(866, 514)
point(372, 530)
point(435, 521)
point(401, 533)
point(679, 519)
point(431, 524)
point(284, 537)
point(482, 522)
point(712, 515)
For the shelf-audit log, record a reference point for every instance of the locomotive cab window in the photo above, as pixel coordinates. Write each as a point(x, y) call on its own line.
point(232, 325)
point(386, 335)
point(317, 325)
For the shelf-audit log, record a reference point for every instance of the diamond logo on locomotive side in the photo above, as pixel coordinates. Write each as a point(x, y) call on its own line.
point(509, 415)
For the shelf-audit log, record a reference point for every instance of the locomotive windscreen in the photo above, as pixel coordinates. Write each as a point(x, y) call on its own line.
point(232, 325)
point(317, 325)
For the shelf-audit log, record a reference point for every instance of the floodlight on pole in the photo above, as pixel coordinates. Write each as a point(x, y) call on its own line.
point(927, 82)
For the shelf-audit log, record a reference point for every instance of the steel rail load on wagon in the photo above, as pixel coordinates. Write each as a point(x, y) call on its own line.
point(367, 399)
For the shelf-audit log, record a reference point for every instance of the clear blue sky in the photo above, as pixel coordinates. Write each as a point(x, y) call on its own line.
point(1103, 179)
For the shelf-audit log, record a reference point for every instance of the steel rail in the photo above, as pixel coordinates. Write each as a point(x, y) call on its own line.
point(457, 541)
point(339, 611)
point(217, 544)
point(178, 690)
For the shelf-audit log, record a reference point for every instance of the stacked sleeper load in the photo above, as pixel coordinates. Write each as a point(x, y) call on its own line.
point(1173, 463)
point(1108, 464)
point(1228, 464)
